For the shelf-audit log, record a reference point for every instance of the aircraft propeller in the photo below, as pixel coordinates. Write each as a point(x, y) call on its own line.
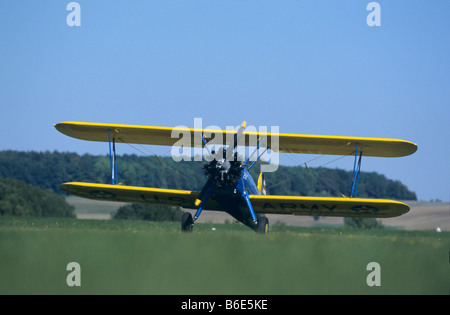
point(223, 170)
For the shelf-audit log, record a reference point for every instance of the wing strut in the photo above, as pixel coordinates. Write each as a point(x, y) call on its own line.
point(250, 207)
point(112, 159)
point(356, 171)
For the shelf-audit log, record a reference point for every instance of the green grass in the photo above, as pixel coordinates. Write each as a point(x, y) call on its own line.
point(138, 257)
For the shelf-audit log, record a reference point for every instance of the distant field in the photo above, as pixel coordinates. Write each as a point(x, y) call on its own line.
point(93, 209)
point(422, 216)
point(138, 257)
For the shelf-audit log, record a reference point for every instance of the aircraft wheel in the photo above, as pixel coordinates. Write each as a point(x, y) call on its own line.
point(187, 223)
point(263, 225)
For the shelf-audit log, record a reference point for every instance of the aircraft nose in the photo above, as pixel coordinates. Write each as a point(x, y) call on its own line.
point(224, 165)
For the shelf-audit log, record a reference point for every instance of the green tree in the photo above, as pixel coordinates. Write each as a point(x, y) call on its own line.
point(140, 211)
point(20, 199)
point(49, 170)
point(362, 223)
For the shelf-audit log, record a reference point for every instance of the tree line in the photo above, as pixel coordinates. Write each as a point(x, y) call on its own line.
point(18, 198)
point(30, 183)
point(48, 170)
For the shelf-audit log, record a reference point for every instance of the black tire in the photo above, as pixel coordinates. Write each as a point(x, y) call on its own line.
point(263, 225)
point(187, 223)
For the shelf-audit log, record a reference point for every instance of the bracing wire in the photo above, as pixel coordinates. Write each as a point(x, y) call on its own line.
point(148, 153)
point(308, 170)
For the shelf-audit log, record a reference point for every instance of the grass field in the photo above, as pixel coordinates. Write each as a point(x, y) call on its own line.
point(138, 257)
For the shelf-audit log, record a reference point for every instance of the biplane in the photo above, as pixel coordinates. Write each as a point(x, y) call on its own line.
point(229, 186)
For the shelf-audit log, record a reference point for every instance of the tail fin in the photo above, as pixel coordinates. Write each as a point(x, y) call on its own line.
point(261, 184)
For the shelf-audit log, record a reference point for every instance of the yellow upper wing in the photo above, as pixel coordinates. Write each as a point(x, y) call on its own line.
point(320, 206)
point(287, 143)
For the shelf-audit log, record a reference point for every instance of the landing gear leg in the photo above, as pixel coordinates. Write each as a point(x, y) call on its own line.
point(187, 223)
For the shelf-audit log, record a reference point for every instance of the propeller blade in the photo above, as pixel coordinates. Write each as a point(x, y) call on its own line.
point(232, 146)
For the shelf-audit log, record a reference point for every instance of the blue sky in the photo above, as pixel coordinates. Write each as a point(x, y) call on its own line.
point(309, 67)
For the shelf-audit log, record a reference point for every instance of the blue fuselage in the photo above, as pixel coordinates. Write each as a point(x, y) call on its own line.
point(235, 199)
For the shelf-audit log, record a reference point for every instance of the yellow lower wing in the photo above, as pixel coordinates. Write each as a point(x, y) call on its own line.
point(318, 206)
point(313, 206)
point(174, 197)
